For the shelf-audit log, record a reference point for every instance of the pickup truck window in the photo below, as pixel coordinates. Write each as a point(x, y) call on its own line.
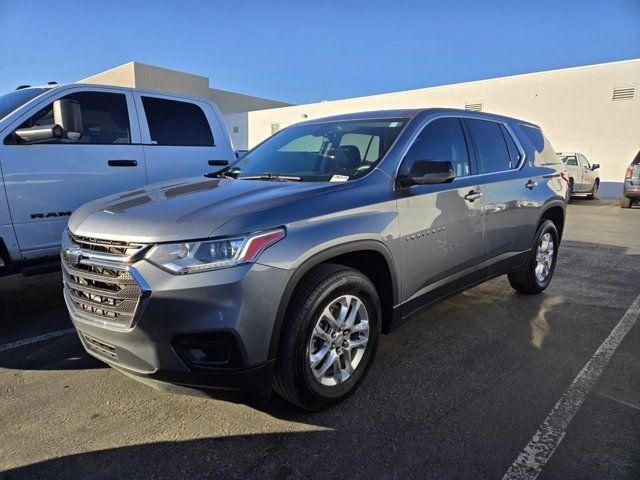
point(105, 118)
point(177, 123)
point(441, 140)
point(12, 100)
point(490, 145)
point(584, 161)
point(318, 152)
point(570, 160)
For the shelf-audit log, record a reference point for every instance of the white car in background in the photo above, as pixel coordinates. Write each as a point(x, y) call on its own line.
point(584, 178)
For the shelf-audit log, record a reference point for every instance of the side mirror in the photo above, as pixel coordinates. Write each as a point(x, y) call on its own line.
point(67, 117)
point(424, 172)
point(595, 166)
point(68, 114)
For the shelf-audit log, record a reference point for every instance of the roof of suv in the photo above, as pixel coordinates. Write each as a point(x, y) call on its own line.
point(410, 113)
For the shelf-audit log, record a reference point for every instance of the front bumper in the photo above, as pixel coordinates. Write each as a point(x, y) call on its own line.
point(195, 333)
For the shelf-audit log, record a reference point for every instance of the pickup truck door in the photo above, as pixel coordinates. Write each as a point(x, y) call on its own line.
point(441, 225)
point(587, 174)
point(180, 136)
point(45, 182)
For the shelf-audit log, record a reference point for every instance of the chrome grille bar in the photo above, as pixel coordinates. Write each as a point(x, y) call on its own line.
point(100, 284)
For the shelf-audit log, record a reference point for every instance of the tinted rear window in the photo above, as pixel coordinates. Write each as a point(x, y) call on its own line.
point(490, 144)
point(177, 123)
point(535, 137)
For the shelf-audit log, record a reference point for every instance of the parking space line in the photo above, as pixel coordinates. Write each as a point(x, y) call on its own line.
point(608, 205)
point(540, 448)
point(38, 338)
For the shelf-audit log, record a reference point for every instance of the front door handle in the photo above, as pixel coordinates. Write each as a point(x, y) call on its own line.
point(473, 195)
point(123, 163)
point(218, 163)
point(531, 184)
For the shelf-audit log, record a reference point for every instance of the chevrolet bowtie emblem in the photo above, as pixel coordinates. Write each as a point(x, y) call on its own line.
point(73, 255)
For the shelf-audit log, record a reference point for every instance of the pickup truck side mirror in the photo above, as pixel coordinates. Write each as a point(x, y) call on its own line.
point(67, 117)
point(424, 172)
point(595, 166)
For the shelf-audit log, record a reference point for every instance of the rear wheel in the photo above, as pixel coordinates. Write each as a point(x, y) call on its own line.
point(625, 202)
point(569, 190)
point(594, 191)
point(537, 274)
point(329, 339)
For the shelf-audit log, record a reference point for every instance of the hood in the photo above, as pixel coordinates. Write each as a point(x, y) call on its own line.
point(184, 209)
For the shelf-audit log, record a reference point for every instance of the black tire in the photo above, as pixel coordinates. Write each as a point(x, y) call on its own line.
point(593, 194)
point(525, 280)
point(569, 190)
point(293, 379)
point(625, 202)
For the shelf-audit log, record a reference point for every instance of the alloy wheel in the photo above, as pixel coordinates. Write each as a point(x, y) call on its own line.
point(339, 340)
point(544, 257)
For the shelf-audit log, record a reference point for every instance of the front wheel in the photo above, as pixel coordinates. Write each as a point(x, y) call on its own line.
point(329, 339)
point(593, 194)
point(537, 274)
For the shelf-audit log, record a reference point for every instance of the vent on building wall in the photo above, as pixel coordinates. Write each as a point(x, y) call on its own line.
point(624, 93)
point(275, 128)
point(474, 107)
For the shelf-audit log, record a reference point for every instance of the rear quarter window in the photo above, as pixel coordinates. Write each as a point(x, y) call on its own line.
point(541, 144)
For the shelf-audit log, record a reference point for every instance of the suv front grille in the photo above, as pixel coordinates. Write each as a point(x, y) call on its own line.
point(109, 247)
point(99, 285)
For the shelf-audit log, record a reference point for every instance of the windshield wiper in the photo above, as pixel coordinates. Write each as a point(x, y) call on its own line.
point(272, 177)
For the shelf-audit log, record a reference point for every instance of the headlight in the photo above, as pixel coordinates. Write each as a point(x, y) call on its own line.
point(200, 256)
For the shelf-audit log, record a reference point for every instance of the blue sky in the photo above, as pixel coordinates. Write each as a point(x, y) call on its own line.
point(301, 51)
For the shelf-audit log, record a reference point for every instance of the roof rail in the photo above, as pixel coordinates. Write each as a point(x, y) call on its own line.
point(23, 86)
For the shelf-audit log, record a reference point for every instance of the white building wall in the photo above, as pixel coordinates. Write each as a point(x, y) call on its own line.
point(574, 107)
point(237, 125)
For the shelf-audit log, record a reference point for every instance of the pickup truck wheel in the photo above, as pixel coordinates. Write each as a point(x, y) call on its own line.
point(569, 190)
point(329, 339)
point(537, 274)
point(625, 202)
point(593, 194)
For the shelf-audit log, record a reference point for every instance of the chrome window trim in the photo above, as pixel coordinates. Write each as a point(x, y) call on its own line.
point(427, 121)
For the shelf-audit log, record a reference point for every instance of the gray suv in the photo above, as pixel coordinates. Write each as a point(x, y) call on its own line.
point(280, 270)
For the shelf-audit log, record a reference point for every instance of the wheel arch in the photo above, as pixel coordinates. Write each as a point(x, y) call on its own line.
point(554, 211)
point(371, 257)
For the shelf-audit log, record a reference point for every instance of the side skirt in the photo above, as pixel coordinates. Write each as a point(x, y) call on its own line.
point(455, 284)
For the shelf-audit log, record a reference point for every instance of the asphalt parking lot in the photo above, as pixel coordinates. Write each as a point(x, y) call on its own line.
point(456, 393)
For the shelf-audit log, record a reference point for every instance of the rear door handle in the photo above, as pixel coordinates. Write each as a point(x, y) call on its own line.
point(123, 163)
point(531, 184)
point(473, 195)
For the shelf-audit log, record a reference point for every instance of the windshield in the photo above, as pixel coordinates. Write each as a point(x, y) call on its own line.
point(568, 159)
point(331, 151)
point(10, 101)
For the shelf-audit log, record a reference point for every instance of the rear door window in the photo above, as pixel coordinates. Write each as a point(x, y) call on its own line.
point(490, 145)
point(177, 123)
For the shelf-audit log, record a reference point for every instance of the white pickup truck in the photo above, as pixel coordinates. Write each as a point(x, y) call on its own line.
point(584, 178)
point(62, 146)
